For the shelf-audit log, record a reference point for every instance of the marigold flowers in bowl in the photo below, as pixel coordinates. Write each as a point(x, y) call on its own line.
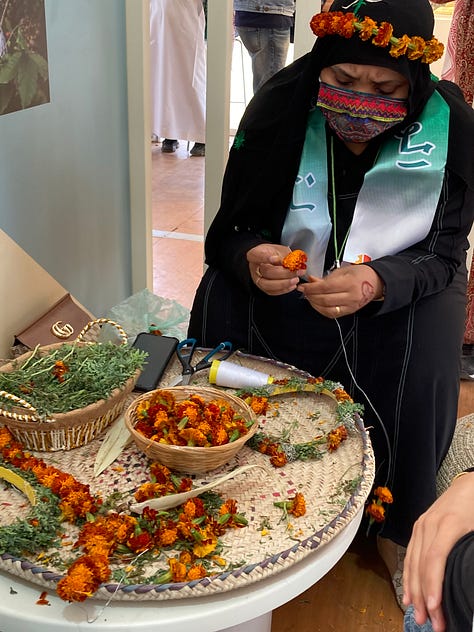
point(190, 429)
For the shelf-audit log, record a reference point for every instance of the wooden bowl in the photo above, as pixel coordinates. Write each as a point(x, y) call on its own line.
point(191, 459)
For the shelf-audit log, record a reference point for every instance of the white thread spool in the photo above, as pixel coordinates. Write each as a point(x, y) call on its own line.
point(224, 373)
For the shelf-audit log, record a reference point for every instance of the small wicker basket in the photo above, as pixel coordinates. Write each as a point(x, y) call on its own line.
point(192, 460)
point(66, 430)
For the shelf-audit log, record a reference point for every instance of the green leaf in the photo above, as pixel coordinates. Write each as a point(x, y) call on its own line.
point(9, 67)
point(27, 81)
point(6, 92)
point(41, 63)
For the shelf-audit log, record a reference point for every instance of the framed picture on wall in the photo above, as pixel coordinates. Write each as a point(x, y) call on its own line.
point(24, 77)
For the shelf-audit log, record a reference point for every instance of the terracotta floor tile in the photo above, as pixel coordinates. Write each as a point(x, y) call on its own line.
point(177, 268)
point(178, 202)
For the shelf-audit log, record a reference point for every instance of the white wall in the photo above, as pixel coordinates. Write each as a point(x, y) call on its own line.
point(64, 177)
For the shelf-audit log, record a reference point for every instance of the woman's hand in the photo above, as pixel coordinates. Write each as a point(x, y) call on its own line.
point(434, 535)
point(267, 272)
point(344, 291)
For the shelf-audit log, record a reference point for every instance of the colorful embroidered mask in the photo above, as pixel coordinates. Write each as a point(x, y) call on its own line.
point(356, 116)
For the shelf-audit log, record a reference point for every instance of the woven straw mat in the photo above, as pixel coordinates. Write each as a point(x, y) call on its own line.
point(254, 554)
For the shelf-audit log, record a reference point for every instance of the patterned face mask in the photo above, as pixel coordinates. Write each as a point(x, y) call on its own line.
point(356, 116)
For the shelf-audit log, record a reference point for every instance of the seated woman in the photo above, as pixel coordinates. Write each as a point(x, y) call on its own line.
point(357, 156)
point(439, 565)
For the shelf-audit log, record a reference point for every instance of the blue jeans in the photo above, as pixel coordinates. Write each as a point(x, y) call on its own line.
point(267, 48)
point(410, 625)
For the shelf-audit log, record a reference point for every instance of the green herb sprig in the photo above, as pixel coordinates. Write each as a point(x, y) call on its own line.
point(91, 373)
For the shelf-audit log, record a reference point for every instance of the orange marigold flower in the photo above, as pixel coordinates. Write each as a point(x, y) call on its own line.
point(189, 508)
point(75, 588)
point(279, 459)
point(376, 512)
point(140, 543)
point(142, 408)
point(336, 437)
point(188, 409)
point(196, 572)
point(206, 546)
point(367, 28)
point(5, 437)
point(185, 557)
point(259, 405)
point(347, 25)
point(320, 23)
point(167, 537)
point(160, 419)
point(229, 507)
point(194, 437)
point(160, 472)
point(298, 505)
point(342, 396)
point(416, 48)
point(399, 47)
point(385, 32)
point(219, 436)
point(434, 50)
point(295, 260)
point(59, 370)
point(384, 494)
point(178, 570)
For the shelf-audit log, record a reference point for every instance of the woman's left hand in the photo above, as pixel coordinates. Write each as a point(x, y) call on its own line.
point(343, 291)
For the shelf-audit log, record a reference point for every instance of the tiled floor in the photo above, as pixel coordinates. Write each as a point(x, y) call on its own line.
point(177, 198)
point(178, 214)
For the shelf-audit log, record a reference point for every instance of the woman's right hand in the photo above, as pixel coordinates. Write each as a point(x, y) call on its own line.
point(267, 272)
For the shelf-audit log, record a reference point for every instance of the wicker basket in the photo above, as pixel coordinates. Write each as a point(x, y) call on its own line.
point(66, 430)
point(191, 460)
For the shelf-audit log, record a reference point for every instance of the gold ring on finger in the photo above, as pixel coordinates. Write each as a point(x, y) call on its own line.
point(338, 310)
point(258, 272)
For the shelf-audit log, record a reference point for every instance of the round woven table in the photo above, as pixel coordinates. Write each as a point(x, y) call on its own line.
point(235, 601)
point(243, 610)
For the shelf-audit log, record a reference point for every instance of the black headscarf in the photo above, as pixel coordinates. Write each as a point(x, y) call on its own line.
point(408, 17)
point(283, 103)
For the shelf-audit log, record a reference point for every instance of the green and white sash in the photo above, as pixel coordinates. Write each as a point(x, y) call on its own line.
point(397, 202)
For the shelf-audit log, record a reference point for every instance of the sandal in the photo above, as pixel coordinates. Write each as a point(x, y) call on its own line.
point(393, 556)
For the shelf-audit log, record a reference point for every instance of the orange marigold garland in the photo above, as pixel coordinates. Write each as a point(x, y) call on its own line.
point(106, 537)
point(281, 451)
point(346, 24)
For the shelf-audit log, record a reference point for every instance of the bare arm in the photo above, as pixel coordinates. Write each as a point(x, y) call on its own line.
point(434, 535)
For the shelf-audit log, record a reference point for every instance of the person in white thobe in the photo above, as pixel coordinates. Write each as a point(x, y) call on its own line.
point(178, 70)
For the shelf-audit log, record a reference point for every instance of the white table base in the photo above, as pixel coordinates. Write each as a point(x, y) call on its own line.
point(246, 609)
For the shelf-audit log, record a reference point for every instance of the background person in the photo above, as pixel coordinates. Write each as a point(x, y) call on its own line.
point(459, 67)
point(265, 28)
point(330, 157)
point(178, 73)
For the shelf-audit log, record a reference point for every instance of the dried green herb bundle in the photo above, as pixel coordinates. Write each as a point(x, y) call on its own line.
point(71, 376)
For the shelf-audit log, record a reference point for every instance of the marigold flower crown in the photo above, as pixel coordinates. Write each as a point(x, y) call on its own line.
point(346, 24)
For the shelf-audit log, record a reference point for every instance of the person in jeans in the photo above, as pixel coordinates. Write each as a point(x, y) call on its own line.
point(265, 29)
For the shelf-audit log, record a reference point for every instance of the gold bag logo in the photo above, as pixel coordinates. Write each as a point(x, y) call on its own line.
point(62, 330)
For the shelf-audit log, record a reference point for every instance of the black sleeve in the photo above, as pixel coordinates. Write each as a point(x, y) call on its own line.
point(458, 586)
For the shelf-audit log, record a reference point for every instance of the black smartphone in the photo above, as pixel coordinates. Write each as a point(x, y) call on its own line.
point(160, 350)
